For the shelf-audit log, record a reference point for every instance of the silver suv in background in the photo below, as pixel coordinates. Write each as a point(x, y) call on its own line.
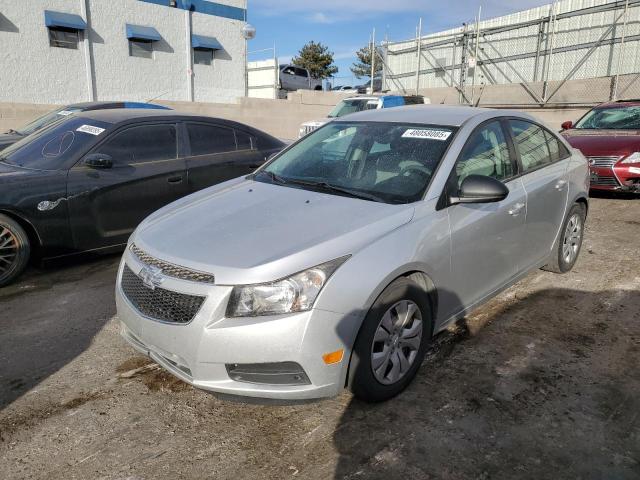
point(361, 103)
point(337, 262)
point(294, 78)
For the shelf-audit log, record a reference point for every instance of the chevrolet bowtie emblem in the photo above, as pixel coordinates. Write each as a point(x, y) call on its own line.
point(151, 276)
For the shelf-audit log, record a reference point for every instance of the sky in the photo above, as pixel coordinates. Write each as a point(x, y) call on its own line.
point(346, 26)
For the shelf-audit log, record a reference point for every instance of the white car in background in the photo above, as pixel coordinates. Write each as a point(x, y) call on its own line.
point(362, 103)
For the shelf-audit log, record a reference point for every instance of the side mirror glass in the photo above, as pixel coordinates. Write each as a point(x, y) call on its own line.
point(567, 125)
point(480, 189)
point(98, 160)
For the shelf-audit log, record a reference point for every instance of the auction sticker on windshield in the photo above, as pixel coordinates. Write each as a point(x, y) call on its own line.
point(90, 129)
point(427, 134)
point(65, 113)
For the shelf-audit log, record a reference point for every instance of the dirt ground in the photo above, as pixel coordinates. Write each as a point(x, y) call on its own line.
point(542, 382)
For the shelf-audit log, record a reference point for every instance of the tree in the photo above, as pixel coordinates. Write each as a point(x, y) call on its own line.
point(362, 68)
point(316, 58)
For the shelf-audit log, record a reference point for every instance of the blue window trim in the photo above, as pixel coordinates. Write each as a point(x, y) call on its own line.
point(140, 32)
point(205, 43)
point(64, 20)
point(206, 7)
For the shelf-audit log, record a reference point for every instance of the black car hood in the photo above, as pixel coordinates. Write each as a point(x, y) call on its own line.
point(7, 139)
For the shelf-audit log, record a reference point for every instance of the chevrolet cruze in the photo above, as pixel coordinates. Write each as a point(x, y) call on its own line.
point(335, 263)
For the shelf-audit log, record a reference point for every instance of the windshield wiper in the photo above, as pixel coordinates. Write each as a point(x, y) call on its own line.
point(274, 177)
point(335, 188)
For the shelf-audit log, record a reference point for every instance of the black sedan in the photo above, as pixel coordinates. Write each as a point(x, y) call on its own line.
point(83, 184)
point(12, 136)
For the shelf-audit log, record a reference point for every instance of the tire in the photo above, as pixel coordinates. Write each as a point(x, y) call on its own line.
point(567, 248)
point(410, 342)
point(14, 250)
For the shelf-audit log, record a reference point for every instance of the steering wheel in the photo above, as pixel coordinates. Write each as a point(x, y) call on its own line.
point(420, 169)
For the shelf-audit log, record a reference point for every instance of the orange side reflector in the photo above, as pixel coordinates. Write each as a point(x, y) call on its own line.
point(333, 357)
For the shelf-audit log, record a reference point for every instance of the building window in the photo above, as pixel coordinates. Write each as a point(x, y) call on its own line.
point(202, 56)
point(64, 38)
point(140, 48)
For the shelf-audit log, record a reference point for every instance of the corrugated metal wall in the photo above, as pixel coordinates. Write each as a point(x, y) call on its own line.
point(527, 46)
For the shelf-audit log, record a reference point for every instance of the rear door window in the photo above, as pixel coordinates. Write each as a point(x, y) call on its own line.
point(209, 139)
point(141, 144)
point(244, 140)
point(557, 150)
point(531, 143)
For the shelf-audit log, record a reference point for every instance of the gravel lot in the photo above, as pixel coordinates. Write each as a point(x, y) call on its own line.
point(542, 382)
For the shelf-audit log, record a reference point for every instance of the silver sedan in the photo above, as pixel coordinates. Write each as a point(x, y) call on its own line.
point(337, 262)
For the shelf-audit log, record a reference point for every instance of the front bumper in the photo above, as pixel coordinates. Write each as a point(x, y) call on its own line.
point(619, 177)
point(198, 352)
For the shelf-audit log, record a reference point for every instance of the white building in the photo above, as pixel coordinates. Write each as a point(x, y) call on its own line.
point(65, 51)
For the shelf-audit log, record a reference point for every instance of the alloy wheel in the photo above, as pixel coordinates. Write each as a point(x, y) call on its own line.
point(9, 249)
point(572, 239)
point(396, 342)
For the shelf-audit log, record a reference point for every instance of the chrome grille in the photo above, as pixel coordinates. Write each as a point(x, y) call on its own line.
point(171, 270)
point(604, 181)
point(159, 304)
point(603, 162)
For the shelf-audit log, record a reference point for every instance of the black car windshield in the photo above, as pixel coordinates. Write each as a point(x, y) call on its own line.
point(53, 147)
point(345, 107)
point(384, 162)
point(47, 119)
point(612, 118)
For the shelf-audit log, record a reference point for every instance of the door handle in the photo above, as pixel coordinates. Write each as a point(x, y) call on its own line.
point(516, 209)
point(175, 179)
point(560, 185)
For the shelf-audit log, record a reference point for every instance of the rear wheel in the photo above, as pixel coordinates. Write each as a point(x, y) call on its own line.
point(569, 243)
point(392, 342)
point(14, 250)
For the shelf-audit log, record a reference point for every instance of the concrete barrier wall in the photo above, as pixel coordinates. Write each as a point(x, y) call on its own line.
point(281, 118)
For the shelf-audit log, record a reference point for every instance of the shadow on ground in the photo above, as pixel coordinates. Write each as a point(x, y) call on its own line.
point(48, 318)
point(545, 386)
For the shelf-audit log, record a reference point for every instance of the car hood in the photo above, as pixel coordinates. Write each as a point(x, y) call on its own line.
point(250, 232)
point(7, 139)
point(603, 142)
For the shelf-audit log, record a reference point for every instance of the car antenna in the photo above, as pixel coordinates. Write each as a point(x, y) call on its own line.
point(156, 97)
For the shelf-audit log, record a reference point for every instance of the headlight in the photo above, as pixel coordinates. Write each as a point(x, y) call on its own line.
point(296, 293)
point(633, 158)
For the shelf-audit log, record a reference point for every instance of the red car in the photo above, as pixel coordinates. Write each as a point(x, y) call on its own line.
point(609, 136)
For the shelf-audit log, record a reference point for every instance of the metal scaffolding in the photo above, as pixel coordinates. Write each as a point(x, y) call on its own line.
point(540, 50)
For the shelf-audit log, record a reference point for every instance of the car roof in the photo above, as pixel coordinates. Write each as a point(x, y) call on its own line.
point(118, 115)
point(451, 115)
point(115, 104)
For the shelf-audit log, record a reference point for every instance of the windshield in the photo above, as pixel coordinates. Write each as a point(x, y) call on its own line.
point(345, 107)
point(53, 147)
point(46, 120)
point(384, 162)
point(614, 118)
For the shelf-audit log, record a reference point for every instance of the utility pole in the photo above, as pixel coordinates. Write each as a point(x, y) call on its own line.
point(419, 47)
point(373, 57)
point(614, 95)
point(552, 28)
point(475, 55)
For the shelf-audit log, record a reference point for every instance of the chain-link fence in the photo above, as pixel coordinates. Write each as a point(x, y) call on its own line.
point(572, 52)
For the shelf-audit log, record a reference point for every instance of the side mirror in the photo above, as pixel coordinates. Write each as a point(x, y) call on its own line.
point(98, 160)
point(480, 189)
point(567, 125)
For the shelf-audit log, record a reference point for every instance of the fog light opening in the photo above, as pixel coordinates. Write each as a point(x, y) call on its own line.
point(281, 373)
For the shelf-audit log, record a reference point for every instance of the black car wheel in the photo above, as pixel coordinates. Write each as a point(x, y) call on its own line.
point(14, 249)
point(567, 247)
point(392, 342)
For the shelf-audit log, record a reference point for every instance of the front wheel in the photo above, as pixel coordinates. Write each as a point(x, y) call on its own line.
point(14, 250)
point(392, 342)
point(569, 243)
